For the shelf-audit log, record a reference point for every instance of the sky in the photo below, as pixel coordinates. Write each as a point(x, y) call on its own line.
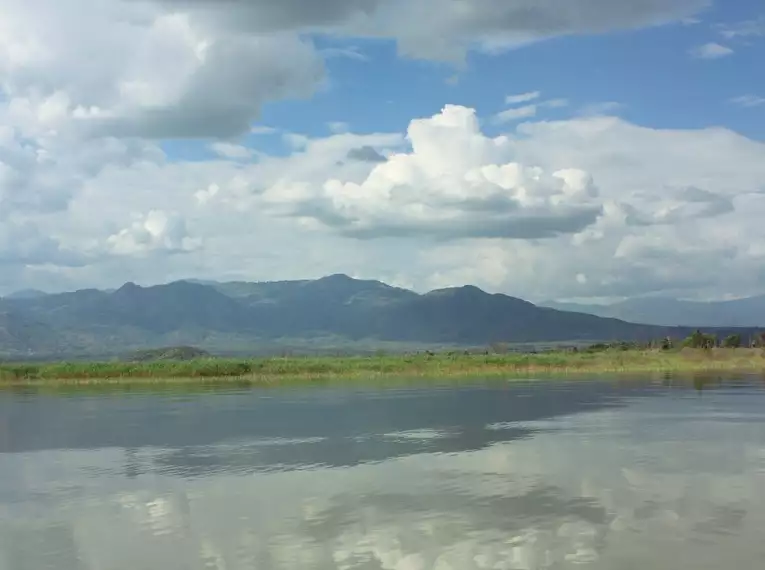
point(546, 149)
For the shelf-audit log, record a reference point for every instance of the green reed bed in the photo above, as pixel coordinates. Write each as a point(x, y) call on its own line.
point(257, 370)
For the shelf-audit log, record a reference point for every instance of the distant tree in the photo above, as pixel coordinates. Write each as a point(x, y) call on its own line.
point(758, 341)
point(732, 341)
point(700, 340)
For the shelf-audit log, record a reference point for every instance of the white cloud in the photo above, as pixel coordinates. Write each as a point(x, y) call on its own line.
point(24, 244)
point(515, 113)
point(230, 150)
point(455, 183)
point(172, 68)
point(743, 29)
point(748, 101)
point(155, 231)
point(680, 210)
point(42, 168)
point(442, 29)
point(522, 98)
point(527, 111)
point(711, 50)
point(631, 208)
point(149, 72)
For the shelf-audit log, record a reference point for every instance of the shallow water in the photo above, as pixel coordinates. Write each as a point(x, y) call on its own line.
point(586, 474)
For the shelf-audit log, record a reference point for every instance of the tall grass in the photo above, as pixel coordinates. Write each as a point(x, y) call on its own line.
point(433, 366)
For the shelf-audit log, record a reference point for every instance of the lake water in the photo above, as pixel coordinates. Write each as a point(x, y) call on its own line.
point(587, 474)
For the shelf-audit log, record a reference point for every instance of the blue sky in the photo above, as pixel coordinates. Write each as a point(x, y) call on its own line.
point(634, 166)
point(650, 73)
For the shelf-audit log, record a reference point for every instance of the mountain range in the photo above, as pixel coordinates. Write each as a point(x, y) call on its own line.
point(334, 311)
point(664, 311)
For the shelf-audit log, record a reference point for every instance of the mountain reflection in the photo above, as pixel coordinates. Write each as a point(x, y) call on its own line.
point(333, 414)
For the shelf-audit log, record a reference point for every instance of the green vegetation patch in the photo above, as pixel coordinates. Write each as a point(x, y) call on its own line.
point(429, 365)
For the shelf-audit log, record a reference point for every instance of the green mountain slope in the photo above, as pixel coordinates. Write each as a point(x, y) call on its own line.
point(329, 311)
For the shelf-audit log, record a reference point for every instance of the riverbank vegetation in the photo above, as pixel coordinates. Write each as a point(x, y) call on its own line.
point(597, 359)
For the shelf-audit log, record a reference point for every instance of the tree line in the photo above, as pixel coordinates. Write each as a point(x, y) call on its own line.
point(697, 339)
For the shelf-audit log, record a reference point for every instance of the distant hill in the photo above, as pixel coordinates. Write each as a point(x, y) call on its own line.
point(749, 312)
point(257, 317)
point(169, 353)
point(21, 334)
point(26, 294)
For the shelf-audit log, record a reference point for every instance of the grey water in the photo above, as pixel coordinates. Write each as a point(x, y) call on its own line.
point(517, 475)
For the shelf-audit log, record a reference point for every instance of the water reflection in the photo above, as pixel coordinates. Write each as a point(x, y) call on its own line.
point(588, 474)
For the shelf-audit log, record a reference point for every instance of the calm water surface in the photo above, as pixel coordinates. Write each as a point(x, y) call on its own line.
point(601, 475)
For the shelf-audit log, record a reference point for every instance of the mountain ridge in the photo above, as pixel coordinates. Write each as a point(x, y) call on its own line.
point(666, 311)
point(330, 311)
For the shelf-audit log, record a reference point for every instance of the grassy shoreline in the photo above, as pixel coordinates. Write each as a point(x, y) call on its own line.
point(277, 370)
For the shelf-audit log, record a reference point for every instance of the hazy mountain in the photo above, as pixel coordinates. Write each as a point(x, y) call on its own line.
point(26, 294)
point(245, 317)
point(749, 312)
point(21, 334)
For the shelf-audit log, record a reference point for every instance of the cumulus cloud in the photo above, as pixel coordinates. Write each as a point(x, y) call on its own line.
point(222, 92)
point(631, 208)
point(677, 216)
point(155, 231)
point(455, 183)
point(557, 197)
point(150, 72)
point(41, 171)
point(711, 50)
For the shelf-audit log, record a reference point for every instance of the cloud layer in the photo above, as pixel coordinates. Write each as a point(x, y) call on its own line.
point(586, 206)
point(451, 28)
point(204, 68)
point(580, 206)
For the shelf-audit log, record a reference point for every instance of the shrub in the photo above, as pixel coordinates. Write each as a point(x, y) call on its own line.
point(700, 340)
point(732, 341)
